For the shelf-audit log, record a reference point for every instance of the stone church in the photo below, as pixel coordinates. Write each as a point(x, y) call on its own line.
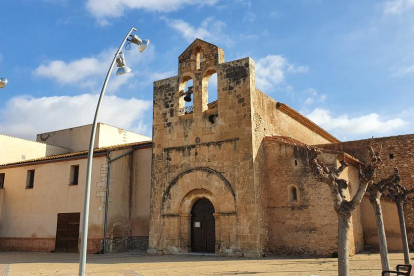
point(231, 176)
point(227, 176)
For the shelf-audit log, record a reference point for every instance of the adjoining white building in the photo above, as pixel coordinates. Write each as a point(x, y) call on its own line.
point(42, 190)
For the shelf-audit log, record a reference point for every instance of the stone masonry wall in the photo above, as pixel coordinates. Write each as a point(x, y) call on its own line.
point(268, 120)
point(307, 226)
point(127, 243)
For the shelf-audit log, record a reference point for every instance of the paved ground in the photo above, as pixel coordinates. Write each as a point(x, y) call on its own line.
point(136, 264)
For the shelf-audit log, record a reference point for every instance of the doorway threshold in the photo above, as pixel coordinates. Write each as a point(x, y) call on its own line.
point(198, 254)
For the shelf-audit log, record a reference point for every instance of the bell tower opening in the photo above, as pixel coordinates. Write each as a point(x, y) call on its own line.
point(203, 226)
point(186, 99)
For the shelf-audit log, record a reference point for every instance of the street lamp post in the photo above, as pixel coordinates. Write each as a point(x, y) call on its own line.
point(120, 60)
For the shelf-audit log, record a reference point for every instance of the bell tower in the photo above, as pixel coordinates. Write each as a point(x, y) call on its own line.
point(204, 150)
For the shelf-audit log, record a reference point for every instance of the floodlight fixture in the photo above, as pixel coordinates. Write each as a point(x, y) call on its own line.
point(3, 82)
point(120, 62)
point(138, 41)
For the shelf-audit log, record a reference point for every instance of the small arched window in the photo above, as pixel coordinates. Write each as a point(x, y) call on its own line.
point(212, 88)
point(293, 194)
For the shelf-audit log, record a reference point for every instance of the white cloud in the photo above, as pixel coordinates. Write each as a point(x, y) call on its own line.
point(150, 77)
point(103, 10)
point(190, 33)
point(249, 17)
point(297, 69)
point(90, 72)
point(309, 101)
point(343, 126)
point(271, 70)
point(397, 6)
point(402, 71)
point(26, 116)
point(314, 96)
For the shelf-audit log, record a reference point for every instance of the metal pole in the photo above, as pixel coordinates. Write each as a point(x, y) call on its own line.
point(85, 221)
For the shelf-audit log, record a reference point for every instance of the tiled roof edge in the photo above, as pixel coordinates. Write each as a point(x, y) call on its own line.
point(79, 153)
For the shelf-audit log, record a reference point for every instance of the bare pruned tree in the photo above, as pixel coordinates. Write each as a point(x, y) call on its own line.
point(375, 192)
point(400, 194)
point(343, 206)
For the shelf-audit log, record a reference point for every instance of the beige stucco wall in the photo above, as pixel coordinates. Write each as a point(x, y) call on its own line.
point(13, 149)
point(109, 135)
point(28, 217)
point(78, 138)
point(391, 225)
point(129, 199)
point(32, 213)
point(141, 189)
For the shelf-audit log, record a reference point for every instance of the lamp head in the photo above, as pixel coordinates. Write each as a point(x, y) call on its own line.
point(123, 70)
point(3, 82)
point(120, 62)
point(138, 41)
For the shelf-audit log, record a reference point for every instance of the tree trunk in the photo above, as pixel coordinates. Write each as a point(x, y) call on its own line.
point(406, 249)
point(382, 239)
point(344, 222)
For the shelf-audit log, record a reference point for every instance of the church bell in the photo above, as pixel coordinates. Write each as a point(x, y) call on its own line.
point(187, 96)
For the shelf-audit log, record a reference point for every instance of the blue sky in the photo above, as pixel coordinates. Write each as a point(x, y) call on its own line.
point(347, 65)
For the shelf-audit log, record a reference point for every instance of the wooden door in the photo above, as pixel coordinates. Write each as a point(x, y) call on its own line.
point(203, 226)
point(67, 232)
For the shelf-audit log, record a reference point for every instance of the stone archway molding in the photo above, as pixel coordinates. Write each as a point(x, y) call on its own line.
point(208, 171)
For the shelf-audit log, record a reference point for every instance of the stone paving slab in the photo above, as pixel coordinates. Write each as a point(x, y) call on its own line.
point(139, 264)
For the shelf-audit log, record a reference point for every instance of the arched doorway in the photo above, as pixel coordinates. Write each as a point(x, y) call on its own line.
point(203, 226)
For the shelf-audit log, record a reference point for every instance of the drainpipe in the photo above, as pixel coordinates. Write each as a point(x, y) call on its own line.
point(108, 177)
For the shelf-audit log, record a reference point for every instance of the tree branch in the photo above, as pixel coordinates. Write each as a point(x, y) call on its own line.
point(366, 177)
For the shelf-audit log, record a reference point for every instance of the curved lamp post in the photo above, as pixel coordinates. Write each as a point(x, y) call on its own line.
point(3, 82)
point(122, 69)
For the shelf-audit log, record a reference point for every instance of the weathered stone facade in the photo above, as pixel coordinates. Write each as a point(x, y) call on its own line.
point(306, 225)
point(218, 152)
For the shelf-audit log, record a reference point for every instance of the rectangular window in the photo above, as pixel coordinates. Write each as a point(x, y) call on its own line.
point(30, 179)
point(74, 174)
point(2, 177)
